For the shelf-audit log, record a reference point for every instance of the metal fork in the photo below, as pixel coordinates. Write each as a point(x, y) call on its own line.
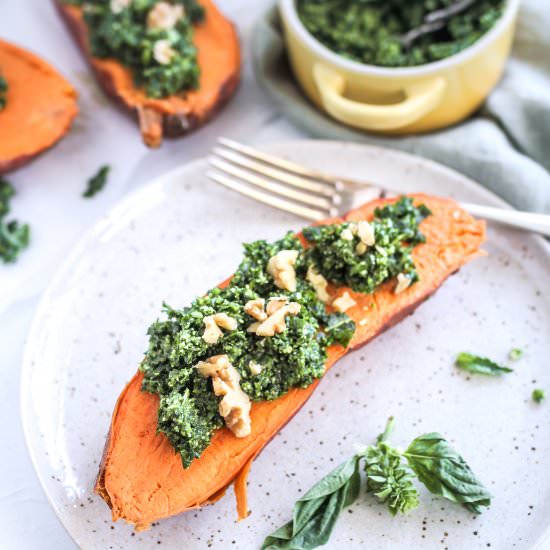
point(316, 196)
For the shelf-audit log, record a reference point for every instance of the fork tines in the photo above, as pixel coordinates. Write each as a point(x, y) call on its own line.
point(274, 181)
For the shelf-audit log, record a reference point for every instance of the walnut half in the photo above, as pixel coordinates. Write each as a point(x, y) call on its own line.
point(235, 404)
point(212, 324)
point(281, 268)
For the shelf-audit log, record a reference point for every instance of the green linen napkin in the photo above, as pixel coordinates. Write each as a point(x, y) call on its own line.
point(505, 146)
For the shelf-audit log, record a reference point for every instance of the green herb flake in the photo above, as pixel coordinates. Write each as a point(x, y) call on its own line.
point(368, 31)
point(14, 236)
point(97, 183)
point(125, 35)
point(538, 395)
point(3, 92)
point(515, 354)
point(480, 365)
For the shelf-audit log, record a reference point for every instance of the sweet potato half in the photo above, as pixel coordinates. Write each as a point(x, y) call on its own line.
point(219, 60)
point(141, 477)
point(40, 108)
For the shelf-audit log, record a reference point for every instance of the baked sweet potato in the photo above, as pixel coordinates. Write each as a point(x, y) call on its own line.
point(141, 477)
point(219, 60)
point(40, 108)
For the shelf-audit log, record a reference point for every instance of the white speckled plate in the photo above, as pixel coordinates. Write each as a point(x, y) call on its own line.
point(181, 235)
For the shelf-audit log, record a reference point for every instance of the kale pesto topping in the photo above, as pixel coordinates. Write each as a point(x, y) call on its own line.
point(3, 92)
point(396, 233)
point(151, 38)
point(367, 31)
point(268, 366)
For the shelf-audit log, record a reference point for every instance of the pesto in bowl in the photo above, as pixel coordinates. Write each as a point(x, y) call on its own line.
point(368, 31)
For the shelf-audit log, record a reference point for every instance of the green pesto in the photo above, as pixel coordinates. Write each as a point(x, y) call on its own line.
point(367, 30)
point(14, 236)
point(188, 410)
point(125, 37)
point(396, 230)
point(3, 92)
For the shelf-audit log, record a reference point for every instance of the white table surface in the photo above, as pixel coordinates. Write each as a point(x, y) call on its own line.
point(49, 199)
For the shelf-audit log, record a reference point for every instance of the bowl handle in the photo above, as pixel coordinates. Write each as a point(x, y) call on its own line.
point(420, 99)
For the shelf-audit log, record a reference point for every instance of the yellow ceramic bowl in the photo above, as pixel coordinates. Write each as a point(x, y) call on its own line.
point(398, 100)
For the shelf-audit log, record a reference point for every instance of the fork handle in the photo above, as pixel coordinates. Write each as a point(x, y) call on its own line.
point(538, 223)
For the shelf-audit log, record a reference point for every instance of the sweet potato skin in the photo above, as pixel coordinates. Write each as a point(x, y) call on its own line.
point(32, 121)
point(155, 485)
point(173, 116)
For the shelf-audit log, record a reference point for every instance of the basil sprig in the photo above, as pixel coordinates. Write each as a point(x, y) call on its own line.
point(480, 365)
point(389, 476)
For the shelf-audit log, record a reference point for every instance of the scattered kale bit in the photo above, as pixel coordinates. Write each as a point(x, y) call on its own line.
point(480, 365)
point(396, 233)
point(3, 92)
point(538, 395)
point(515, 354)
point(390, 473)
point(14, 237)
point(97, 183)
point(161, 56)
point(368, 31)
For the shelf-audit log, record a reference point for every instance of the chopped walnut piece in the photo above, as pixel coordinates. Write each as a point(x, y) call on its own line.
point(275, 303)
point(403, 282)
point(281, 268)
point(212, 333)
point(255, 308)
point(164, 16)
point(254, 368)
point(224, 321)
point(347, 234)
point(366, 232)
point(212, 324)
point(275, 323)
point(163, 52)
point(117, 6)
point(319, 284)
point(361, 248)
point(343, 302)
point(235, 404)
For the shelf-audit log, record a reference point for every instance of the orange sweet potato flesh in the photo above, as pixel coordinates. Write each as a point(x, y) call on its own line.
point(219, 60)
point(41, 106)
point(141, 477)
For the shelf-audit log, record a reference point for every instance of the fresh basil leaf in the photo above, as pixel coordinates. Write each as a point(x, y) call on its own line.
point(315, 514)
point(340, 328)
point(480, 365)
point(445, 473)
